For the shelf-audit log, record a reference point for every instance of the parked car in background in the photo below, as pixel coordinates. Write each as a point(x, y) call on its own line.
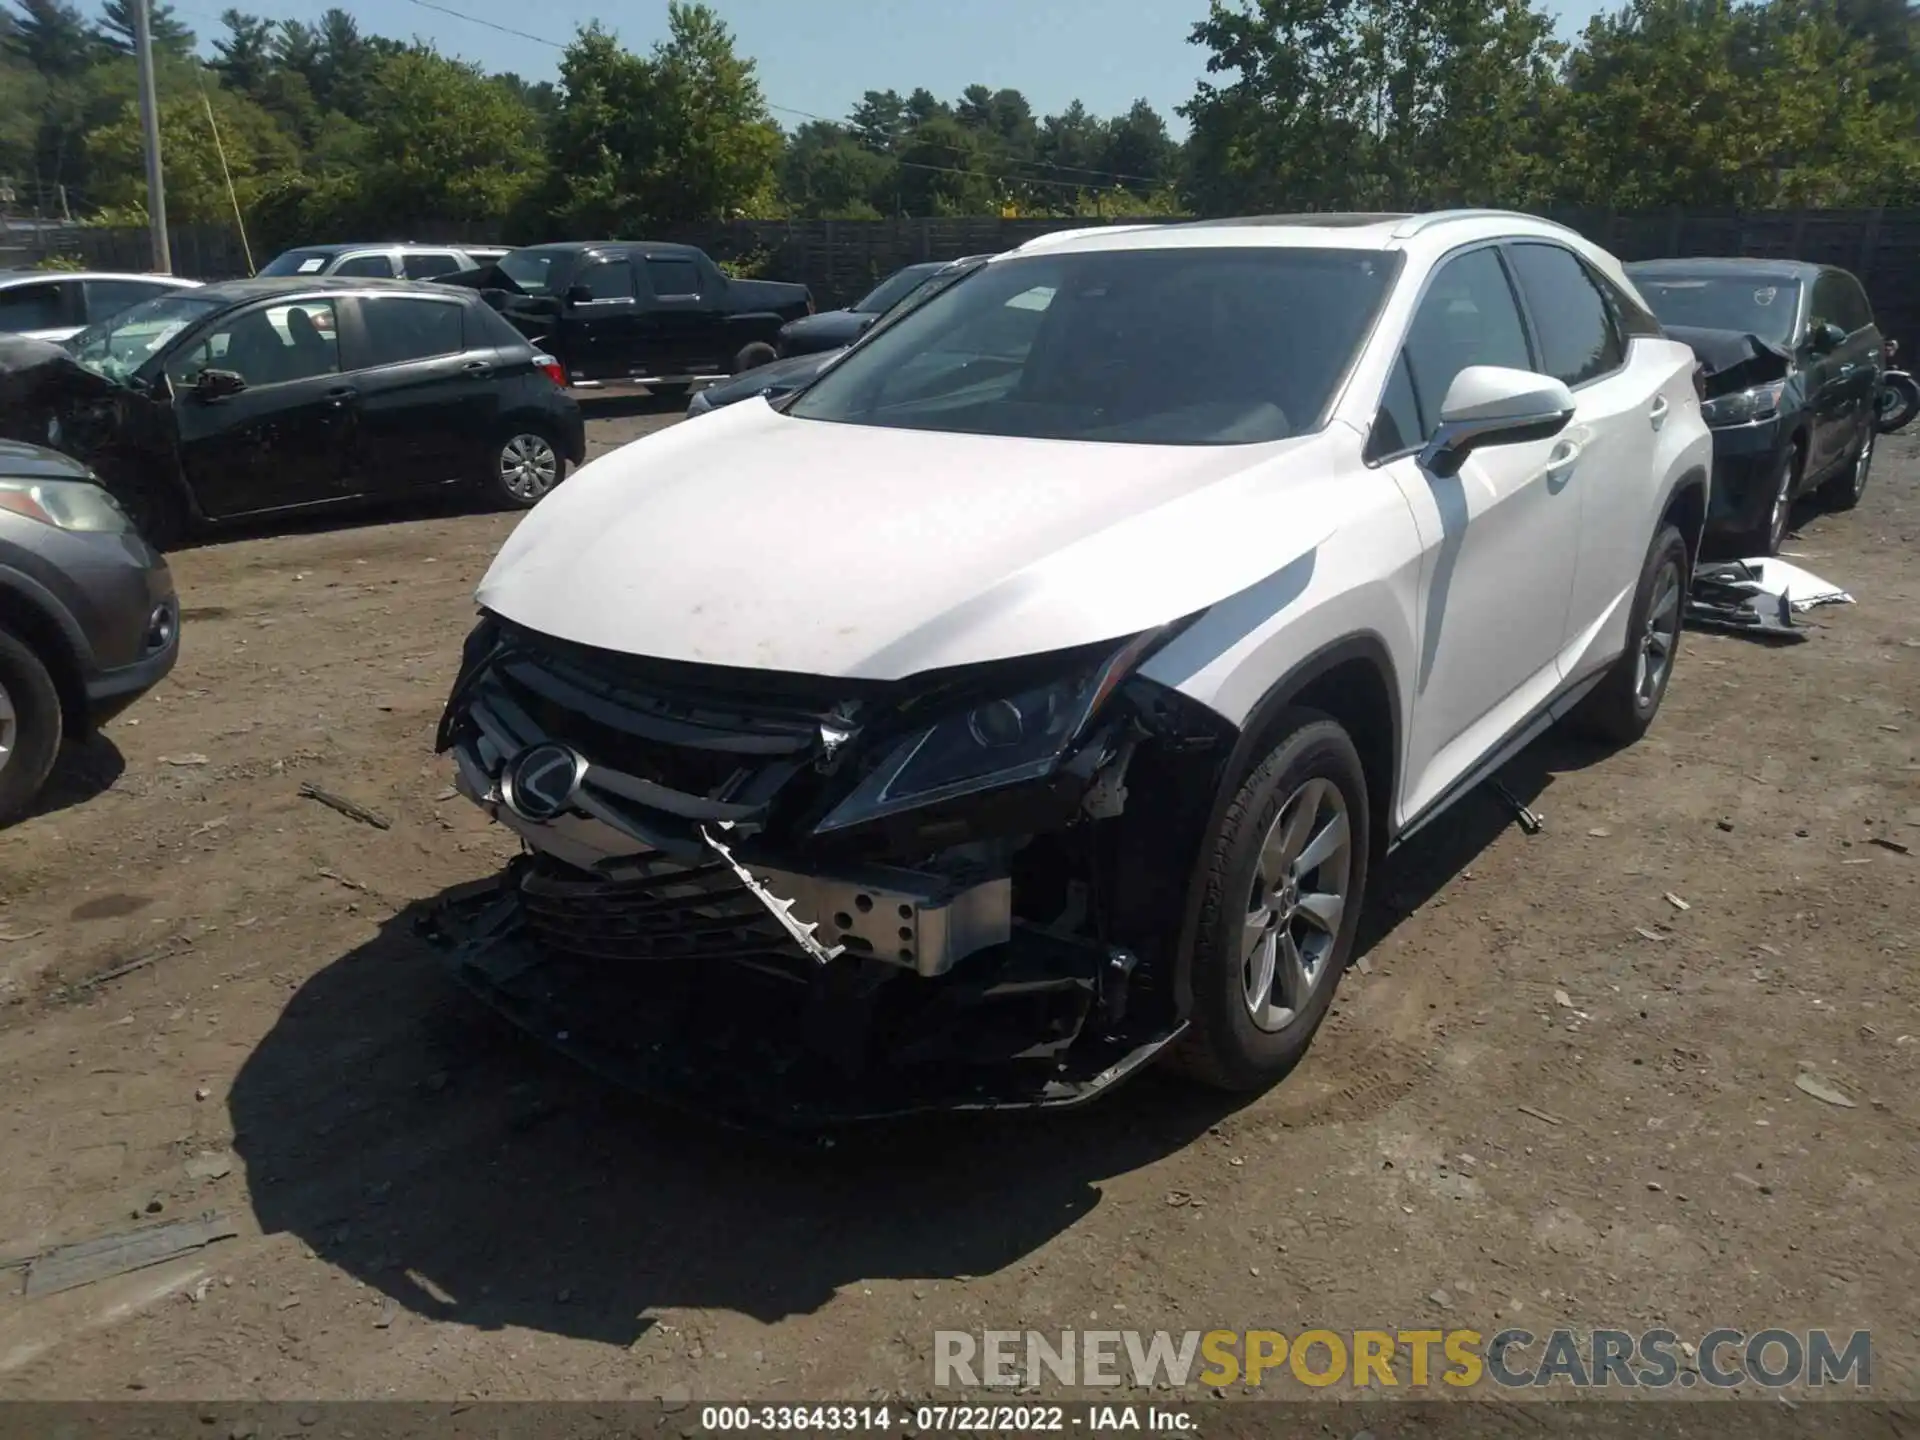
point(1793, 362)
point(254, 396)
point(633, 311)
point(782, 377)
point(88, 617)
point(52, 304)
point(837, 329)
point(1032, 694)
point(381, 259)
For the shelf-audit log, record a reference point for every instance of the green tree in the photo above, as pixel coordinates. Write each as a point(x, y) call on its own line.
point(243, 57)
point(879, 120)
point(947, 169)
point(1138, 144)
point(827, 173)
point(170, 37)
point(52, 37)
point(443, 142)
point(257, 153)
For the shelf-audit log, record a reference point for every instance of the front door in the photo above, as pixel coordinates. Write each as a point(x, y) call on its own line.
point(425, 402)
point(282, 439)
point(601, 321)
point(1501, 537)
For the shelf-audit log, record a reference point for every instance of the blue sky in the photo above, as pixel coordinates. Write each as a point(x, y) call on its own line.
point(818, 57)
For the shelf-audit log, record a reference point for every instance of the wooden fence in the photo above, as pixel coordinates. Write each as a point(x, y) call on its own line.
point(842, 258)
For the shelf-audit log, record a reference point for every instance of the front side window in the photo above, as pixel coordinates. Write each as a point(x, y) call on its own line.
point(1839, 300)
point(427, 264)
point(1762, 305)
point(400, 328)
point(531, 270)
point(1398, 427)
point(267, 345)
point(1204, 345)
point(118, 346)
point(1578, 339)
point(33, 307)
point(1467, 317)
point(609, 280)
point(673, 279)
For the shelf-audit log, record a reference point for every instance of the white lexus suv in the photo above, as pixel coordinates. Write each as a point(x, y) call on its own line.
point(1032, 694)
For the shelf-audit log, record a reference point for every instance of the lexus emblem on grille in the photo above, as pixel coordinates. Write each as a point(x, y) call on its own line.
point(539, 783)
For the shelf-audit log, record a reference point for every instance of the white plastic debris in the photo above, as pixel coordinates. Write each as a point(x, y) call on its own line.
point(1801, 589)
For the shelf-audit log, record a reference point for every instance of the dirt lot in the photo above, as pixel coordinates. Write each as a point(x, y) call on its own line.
point(430, 1206)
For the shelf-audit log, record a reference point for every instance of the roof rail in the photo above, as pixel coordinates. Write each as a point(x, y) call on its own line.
point(1041, 242)
point(1417, 223)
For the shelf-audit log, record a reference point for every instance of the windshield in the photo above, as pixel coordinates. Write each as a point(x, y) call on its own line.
point(891, 291)
point(1201, 345)
point(121, 344)
point(1752, 304)
point(531, 270)
point(298, 262)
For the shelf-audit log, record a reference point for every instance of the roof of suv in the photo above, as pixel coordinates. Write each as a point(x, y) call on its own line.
point(340, 247)
point(1334, 230)
point(233, 292)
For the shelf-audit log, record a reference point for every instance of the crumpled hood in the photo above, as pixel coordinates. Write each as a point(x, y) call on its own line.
point(755, 540)
point(40, 380)
point(1734, 359)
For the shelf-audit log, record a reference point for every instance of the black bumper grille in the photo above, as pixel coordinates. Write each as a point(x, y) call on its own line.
point(696, 913)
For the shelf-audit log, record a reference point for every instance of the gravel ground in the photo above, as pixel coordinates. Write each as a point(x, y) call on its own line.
point(1550, 1096)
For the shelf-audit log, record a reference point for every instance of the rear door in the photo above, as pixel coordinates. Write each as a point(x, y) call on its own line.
point(283, 439)
point(1603, 460)
point(601, 319)
point(365, 265)
point(684, 330)
point(424, 405)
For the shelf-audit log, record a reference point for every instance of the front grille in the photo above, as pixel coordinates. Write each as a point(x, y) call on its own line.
point(699, 912)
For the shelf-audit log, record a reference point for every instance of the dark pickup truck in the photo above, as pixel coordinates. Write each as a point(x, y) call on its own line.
point(633, 311)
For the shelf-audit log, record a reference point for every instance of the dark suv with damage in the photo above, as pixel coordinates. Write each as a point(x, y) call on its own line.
point(1793, 362)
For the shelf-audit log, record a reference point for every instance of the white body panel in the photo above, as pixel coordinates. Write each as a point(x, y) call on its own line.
point(757, 540)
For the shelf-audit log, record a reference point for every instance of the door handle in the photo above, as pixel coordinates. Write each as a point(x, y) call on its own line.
point(1658, 415)
point(477, 367)
point(340, 395)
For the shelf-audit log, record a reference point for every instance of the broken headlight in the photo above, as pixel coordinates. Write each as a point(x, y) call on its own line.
point(989, 745)
point(1744, 407)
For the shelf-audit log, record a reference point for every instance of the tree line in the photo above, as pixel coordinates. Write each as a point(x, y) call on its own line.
point(320, 130)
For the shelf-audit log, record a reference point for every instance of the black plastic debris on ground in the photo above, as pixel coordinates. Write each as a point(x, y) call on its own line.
point(1728, 597)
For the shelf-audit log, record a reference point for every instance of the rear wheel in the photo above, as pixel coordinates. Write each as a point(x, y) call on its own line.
point(1897, 403)
point(1623, 705)
point(525, 466)
point(1286, 877)
point(30, 723)
point(752, 357)
point(1844, 490)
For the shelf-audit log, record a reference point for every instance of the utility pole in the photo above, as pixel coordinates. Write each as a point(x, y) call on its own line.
point(150, 127)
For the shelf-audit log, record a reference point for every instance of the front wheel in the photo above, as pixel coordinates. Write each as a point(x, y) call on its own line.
point(30, 725)
point(1285, 879)
point(1623, 705)
point(1844, 490)
point(525, 466)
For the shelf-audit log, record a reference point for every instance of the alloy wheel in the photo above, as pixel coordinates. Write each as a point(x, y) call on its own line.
point(1659, 638)
point(529, 467)
point(1299, 895)
point(1782, 509)
point(1862, 465)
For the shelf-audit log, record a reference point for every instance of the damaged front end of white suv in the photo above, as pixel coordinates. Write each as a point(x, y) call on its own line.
point(790, 898)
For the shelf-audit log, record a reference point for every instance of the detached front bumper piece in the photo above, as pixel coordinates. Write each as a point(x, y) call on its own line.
point(679, 984)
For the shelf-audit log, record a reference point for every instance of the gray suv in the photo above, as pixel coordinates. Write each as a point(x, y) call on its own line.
point(382, 259)
point(88, 617)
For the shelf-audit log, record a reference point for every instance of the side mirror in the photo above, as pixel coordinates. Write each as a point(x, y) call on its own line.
point(213, 384)
point(1824, 338)
point(1493, 405)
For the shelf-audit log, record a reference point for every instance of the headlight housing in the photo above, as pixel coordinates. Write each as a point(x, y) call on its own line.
point(991, 744)
point(1744, 407)
point(66, 504)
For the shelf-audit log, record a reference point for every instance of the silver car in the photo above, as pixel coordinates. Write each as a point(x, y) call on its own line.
point(53, 304)
point(385, 259)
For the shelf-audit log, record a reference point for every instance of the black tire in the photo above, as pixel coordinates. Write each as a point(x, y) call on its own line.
point(1622, 706)
point(1783, 487)
point(753, 356)
point(30, 725)
point(1897, 403)
point(676, 393)
point(524, 465)
point(1224, 1045)
point(1844, 490)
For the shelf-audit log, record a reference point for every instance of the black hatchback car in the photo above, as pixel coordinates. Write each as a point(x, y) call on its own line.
point(267, 395)
point(1793, 362)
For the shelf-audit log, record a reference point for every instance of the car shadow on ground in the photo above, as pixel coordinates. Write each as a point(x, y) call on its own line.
point(85, 770)
point(425, 1147)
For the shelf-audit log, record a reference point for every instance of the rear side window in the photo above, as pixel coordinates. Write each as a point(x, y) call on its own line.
point(400, 328)
point(426, 264)
point(609, 280)
point(364, 266)
point(1578, 338)
point(673, 279)
point(1635, 320)
point(109, 297)
point(1467, 317)
point(33, 307)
